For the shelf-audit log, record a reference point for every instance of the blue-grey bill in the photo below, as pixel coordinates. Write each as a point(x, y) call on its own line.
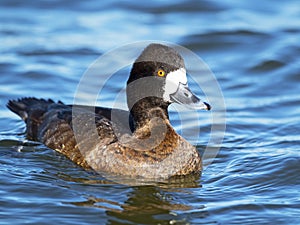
point(185, 96)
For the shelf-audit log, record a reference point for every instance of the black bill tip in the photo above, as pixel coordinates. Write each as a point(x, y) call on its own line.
point(207, 106)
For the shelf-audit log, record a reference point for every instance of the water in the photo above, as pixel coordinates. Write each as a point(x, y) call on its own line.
point(252, 48)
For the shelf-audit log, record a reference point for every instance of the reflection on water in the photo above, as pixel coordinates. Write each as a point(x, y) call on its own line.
point(140, 207)
point(140, 204)
point(253, 50)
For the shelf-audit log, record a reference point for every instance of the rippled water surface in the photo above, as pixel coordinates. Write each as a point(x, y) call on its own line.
point(253, 49)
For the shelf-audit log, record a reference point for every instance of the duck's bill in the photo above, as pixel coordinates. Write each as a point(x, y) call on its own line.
point(185, 96)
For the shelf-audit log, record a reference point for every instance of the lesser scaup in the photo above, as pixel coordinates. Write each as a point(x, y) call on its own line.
point(154, 149)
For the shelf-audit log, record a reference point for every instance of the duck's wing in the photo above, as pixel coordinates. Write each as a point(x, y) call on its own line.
point(121, 118)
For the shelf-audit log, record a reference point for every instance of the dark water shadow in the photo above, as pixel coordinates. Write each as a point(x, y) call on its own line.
point(147, 204)
point(144, 205)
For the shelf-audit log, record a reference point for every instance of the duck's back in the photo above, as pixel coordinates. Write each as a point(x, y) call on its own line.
point(51, 123)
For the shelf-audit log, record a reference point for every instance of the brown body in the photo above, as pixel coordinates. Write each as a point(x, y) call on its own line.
point(51, 124)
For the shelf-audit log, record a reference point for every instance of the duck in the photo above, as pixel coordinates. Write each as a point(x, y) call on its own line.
point(139, 142)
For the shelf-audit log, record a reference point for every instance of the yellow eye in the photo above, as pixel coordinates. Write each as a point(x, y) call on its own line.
point(161, 73)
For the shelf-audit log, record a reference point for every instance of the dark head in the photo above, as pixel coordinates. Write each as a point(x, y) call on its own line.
point(157, 79)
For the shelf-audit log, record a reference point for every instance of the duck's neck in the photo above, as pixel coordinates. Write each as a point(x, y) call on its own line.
point(152, 129)
point(149, 109)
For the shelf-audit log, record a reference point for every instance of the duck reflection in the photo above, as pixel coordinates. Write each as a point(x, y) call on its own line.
point(146, 204)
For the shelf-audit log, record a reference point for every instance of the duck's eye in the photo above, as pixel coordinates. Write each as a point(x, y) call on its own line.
point(161, 73)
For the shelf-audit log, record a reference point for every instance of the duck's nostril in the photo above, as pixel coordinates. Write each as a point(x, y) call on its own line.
point(186, 94)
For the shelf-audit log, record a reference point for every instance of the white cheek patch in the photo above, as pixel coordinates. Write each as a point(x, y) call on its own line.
point(172, 82)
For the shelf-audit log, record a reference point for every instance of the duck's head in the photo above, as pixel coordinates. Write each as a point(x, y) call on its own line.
point(158, 78)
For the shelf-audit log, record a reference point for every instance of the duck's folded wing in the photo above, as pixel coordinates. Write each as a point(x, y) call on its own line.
point(122, 119)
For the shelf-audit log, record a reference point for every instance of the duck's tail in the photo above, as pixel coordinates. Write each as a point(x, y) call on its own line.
point(31, 110)
point(24, 106)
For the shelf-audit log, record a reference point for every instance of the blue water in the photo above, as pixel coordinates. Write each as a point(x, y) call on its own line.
point(253, 49)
